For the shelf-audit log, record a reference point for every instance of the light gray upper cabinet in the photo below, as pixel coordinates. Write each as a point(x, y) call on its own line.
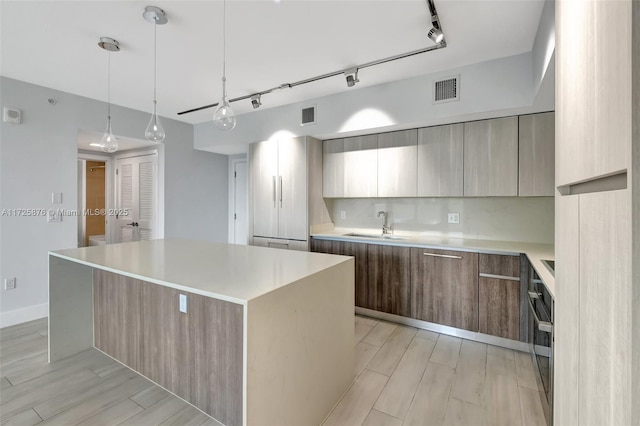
point(283, 180)
point(397, 165)
point(333, 168)
point(537, 155)
point(361, 166)
point(491, 157)
point(440, 161)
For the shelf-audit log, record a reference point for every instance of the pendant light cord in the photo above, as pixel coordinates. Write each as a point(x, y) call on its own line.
point(224, 50)
point(109, 88)
point(155, 60)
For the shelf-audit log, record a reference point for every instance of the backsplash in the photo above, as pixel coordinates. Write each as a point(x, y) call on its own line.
point(491, 218)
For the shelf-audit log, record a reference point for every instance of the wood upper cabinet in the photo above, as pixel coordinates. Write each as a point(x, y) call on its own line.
point(499, 295)
point(346, 248)
point(537, 155)
point(388, 279)
point(440, 161)
point(333, 168)
point(397, 165)
point(491, 157)
point(361, 166)
point(444, 287)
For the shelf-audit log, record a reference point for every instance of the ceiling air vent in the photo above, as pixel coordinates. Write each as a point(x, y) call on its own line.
point(308, 116)
point(446, 90)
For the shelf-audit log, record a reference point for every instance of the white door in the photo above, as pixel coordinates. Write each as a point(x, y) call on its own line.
point(136, 198)
point(240, 210)
point(292, 189)
point(263, 157)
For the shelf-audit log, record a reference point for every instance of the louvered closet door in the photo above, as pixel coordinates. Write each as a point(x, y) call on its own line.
point(136, 192)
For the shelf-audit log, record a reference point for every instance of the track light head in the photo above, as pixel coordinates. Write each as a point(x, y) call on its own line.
point(255, 101)
point(435, 34)
point(352, 77)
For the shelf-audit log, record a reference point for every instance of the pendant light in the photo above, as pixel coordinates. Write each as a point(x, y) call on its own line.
point(109, 143)
point(223, 117)
point(154, 131)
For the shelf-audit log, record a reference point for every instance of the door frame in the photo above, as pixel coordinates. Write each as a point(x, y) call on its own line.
point(233, 160)
point(159, 151)
point(109, 171)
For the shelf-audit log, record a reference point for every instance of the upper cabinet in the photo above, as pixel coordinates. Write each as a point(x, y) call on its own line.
point(361, 166)
point(491, 157)
point(397, 165)
point(333, 168)
point(440, 157)
point(537, 155)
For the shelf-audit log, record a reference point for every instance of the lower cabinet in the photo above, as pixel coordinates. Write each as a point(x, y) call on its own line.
point(281, 244)
point(359, 252)
point(444, 287)
point(499, 302)
point(389, 279)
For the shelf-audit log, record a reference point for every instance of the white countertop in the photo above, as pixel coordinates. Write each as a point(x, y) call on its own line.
point(234, 273)
point(535, 252)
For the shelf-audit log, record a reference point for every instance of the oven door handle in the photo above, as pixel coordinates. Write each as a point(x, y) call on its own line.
point(543, 326)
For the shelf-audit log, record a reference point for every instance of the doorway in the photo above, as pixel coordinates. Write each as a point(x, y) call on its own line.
point(238, 201)
point(93, 199)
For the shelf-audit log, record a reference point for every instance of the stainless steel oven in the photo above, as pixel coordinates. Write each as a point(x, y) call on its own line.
point(541, 336)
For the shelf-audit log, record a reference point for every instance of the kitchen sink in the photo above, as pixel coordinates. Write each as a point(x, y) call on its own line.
point(376, 236)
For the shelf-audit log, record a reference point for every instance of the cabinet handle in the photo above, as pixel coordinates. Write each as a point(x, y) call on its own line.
point(543, 326)
point(274, 192)
point(446, 256)
point(280, 191)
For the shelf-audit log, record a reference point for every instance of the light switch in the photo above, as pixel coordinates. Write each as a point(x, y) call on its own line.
point(183, 303)
point(56, 197)
point(454, 217)
point(343, 214)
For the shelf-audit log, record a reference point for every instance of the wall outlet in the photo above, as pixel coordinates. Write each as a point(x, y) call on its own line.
point(343, 214)
point(10, 283)
point(454, 217)
point(56, 197)
point(183, 303)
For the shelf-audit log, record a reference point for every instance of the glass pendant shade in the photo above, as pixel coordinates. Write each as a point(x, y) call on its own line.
point(154, 131)
point(223, 117)
point(109, 142)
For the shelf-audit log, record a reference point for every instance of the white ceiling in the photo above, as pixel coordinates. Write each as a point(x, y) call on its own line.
point(54, 44)
point(86, 138)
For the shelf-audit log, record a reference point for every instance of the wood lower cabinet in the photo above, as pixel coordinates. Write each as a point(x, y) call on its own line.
point(499, 307)
point(388, 279)
point(346, 248)
point(444, 287)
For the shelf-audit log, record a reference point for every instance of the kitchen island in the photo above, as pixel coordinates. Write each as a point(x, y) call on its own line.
point(249, 335)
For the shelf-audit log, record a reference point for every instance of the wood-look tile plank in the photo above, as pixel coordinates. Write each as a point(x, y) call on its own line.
point(385, 361)
point(500, 351)
point(377, 418)
point(502, 400)
point(150, 396)
point(430, 402)
point(95, 397)
point(525, 371)
point(356, 404)
point(366, 320)
point(4, 383)
point(399, 391)
point(446, 351)
point(25, 418)
point(24, 364)
point(361, 330)
point(113, 415)
point(461, 413)
point(364, 354)
point(12, 404)
point(380, 333)
point(470, 372)
point(532, 408)
point(500, 366)
point(157, 413)
point(35, 326)
point(105, 370)
point(211, 422)
point(429, 335)
point(188, 416)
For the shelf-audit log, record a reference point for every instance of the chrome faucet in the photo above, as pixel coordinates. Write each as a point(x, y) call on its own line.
point(385, 228)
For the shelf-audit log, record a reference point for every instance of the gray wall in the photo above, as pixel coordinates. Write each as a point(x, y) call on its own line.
point(39, 156)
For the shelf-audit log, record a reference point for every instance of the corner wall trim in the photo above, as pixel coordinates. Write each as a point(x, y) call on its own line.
point(18, 316)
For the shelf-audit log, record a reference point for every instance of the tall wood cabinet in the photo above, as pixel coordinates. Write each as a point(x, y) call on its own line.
point(397, 165)
point(444, 287)
point(440, 161)
point(491, 157)
point(286, 188)
point(597, 303)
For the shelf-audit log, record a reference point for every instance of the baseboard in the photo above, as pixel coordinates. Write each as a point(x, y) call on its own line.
point(18, 316)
